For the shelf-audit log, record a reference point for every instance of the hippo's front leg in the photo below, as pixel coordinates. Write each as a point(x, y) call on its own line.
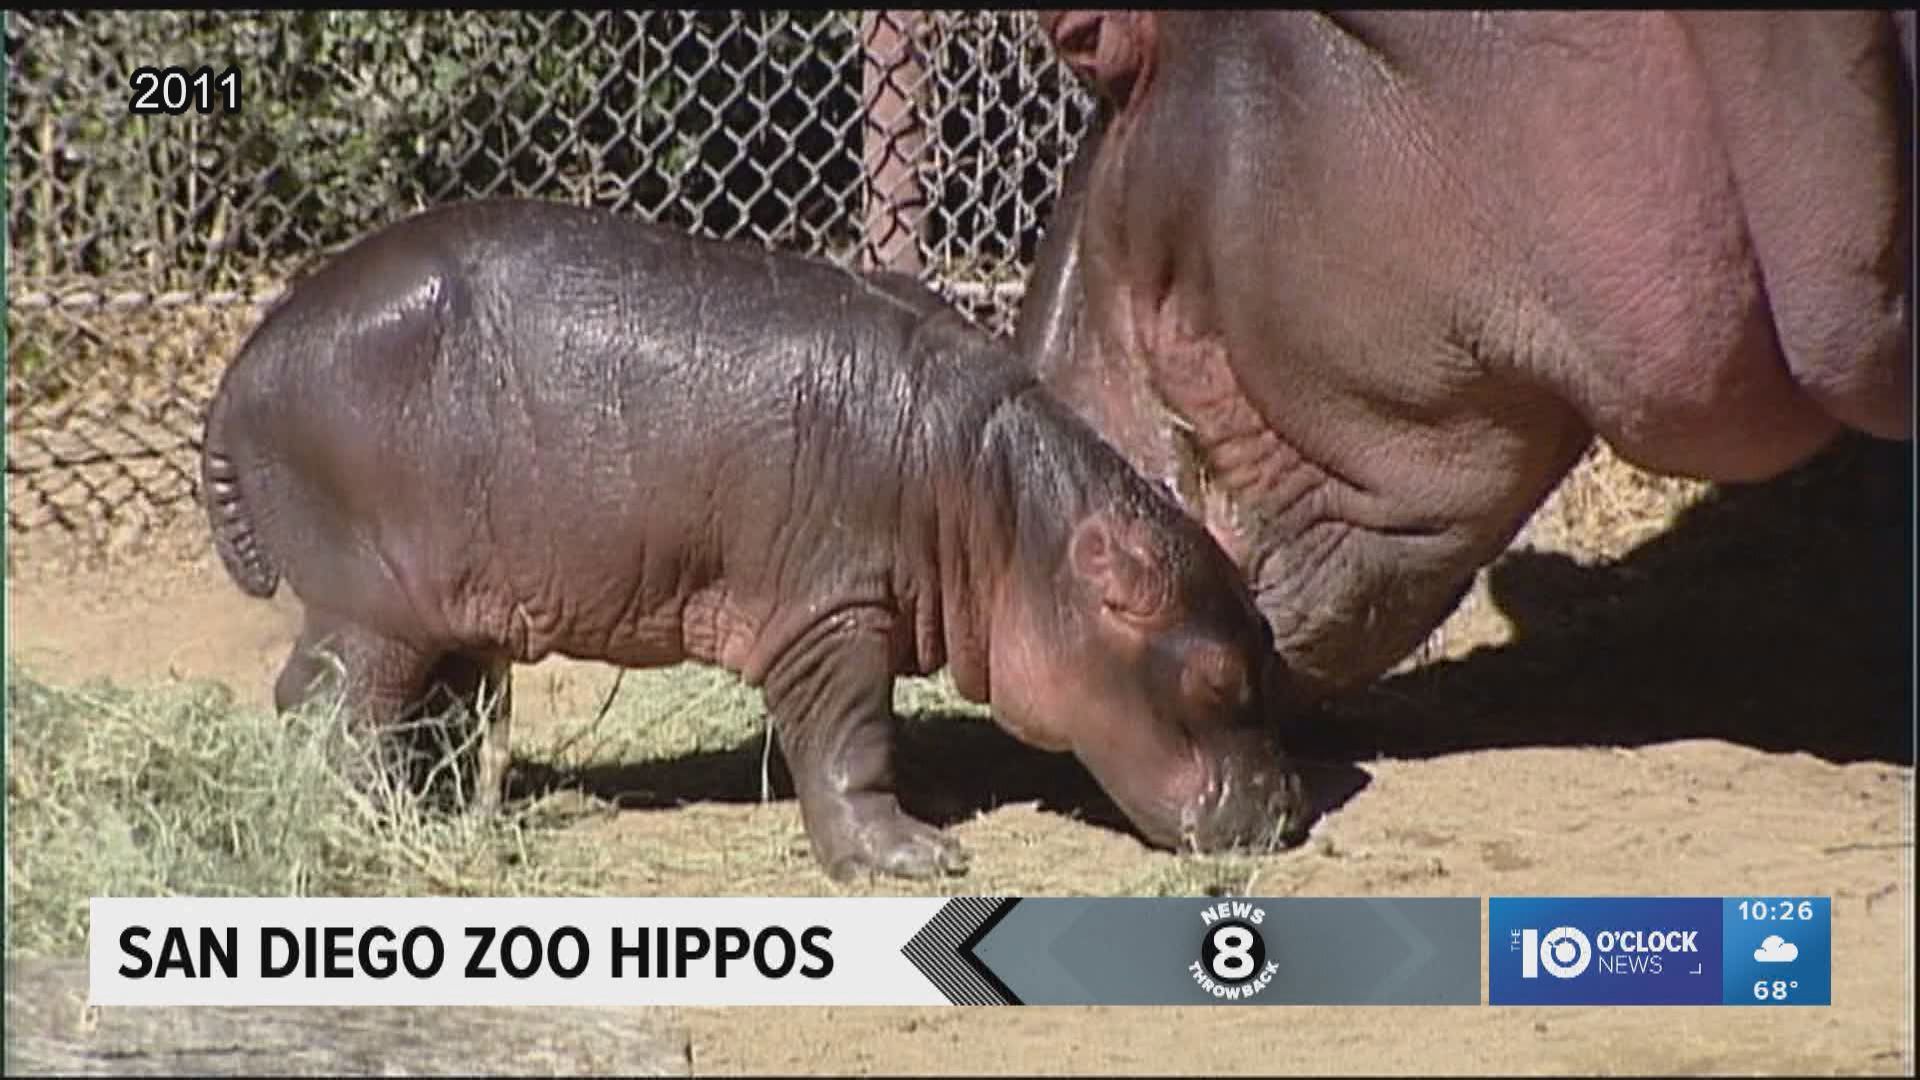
point(830, 699)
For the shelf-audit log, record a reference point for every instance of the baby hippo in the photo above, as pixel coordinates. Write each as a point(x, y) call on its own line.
point(504, 429)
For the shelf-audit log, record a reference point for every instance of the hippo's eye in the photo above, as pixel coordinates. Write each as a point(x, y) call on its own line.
point(1216, 676)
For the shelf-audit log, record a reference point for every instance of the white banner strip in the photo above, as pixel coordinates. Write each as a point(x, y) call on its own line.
point(508, 951)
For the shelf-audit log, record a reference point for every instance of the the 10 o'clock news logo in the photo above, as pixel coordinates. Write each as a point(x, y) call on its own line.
point(1233, 963)
point(1625, 950)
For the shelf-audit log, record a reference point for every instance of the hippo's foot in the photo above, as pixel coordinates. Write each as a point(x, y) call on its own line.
point(830, 697)
point(870, 833)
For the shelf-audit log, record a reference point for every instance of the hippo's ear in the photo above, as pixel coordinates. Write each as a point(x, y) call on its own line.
point(1120, 565)
point(1108, 49)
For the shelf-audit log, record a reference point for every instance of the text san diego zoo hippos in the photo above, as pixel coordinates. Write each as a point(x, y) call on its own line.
point(487, 952)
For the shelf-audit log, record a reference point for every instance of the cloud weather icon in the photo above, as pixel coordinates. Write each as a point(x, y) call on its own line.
point(1776, 950)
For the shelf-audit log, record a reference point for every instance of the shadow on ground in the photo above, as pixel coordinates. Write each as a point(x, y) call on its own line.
point(1776, 616)
point(949, 767)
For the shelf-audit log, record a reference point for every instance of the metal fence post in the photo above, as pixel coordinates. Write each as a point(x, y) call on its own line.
point(892, 139)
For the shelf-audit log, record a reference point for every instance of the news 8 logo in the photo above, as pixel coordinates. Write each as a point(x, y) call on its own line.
point(1233, 960)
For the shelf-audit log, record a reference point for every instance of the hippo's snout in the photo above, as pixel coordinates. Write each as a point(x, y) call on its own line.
point(1257, 804)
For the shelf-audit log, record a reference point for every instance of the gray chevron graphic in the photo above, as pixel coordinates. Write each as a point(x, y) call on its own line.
point(1324, 951)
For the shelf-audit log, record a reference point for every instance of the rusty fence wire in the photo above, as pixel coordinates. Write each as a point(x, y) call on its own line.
point(143, 245)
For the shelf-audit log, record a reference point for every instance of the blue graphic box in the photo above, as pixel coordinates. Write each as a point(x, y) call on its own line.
point(1779, 950)
point(1604, 951)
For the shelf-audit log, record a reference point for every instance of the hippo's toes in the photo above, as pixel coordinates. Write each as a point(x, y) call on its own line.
point(896, 845)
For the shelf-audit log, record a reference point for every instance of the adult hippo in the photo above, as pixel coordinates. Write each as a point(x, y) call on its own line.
point(1361, 287)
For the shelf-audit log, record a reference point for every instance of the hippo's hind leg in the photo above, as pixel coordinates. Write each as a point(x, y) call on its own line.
point(394, 693)
point(483, 690)
point(830, 700)
point(376, 677)
point(376, 680)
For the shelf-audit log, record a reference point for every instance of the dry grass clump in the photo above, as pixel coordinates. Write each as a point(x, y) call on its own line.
point(174, 791)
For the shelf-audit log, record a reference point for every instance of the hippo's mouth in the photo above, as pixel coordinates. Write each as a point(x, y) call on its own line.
point(1261, 809)
point(1239, 799)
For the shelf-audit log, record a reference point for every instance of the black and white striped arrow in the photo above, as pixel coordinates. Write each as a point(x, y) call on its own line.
point(942, 950)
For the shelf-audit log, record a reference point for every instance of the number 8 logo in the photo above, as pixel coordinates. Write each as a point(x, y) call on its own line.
point(1233, 960)
point(1233, 952)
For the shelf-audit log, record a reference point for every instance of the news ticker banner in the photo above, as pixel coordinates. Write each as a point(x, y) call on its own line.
point(784, 951)
point(954, 951)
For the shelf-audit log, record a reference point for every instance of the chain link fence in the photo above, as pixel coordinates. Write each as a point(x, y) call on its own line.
point(142, 248)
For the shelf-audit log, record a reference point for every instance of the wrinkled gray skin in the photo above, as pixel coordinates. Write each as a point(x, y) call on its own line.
point(506, 429)
point(1361, 287)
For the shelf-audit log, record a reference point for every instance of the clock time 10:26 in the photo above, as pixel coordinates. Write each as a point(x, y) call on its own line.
point(1780, 910)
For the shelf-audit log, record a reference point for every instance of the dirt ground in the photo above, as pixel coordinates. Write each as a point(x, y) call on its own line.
point(1659, 691)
